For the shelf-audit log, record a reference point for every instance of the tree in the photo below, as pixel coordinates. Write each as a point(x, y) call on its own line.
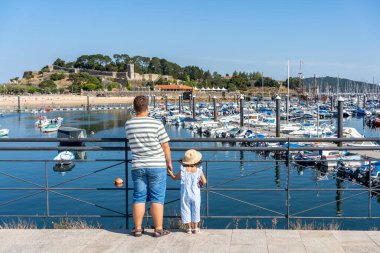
point(155, 66)
point(231, 87)
point(28, 75)
point(48, 86)
point(59, 62)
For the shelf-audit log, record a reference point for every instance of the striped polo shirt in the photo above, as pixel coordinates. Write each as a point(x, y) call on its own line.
point(145, 137)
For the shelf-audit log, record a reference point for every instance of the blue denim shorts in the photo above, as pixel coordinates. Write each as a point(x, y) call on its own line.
point(149, 185)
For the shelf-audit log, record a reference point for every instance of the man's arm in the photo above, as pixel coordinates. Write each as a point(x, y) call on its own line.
point(166, 148)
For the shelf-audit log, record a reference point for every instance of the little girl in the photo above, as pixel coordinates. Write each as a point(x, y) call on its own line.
point(192, 179)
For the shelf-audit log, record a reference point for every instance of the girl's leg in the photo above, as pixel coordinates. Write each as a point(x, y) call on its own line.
point(188, 228)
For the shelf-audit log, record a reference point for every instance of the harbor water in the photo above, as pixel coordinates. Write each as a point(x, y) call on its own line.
point(225, 169)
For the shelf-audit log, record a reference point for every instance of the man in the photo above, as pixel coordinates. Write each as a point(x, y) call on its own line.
point(151, 157)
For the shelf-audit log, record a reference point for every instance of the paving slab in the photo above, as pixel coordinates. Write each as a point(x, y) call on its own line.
point(278, 241)
point(320, 242)
point(247, 240)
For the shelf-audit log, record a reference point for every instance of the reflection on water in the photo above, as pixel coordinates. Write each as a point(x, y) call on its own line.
point(63, 168)
point(99, 121)
point(339, 197)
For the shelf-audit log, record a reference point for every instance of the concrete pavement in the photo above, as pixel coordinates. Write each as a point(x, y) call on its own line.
point(93, 240)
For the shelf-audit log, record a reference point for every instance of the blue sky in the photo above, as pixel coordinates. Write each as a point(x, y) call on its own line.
point(336, 38)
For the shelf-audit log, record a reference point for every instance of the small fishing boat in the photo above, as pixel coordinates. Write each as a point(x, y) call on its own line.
point(4, 132)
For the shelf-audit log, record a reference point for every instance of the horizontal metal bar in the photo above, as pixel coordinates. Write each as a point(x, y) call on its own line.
point(61, 189)
point(274, 139)
point(274, 149)
point(60, 216)
point(77, 161)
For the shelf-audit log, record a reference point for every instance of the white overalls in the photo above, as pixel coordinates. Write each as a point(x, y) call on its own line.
point(190, 196)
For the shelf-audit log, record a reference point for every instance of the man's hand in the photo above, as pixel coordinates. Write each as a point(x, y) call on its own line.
point(166, 149)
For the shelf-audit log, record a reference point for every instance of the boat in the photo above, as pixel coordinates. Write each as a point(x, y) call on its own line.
point(4, 132)
point(330, 159)
point(350, 132)
point(64, 158)
point(50, 128)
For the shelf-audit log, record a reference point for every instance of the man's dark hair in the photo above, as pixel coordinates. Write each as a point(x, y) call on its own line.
point(140, 103)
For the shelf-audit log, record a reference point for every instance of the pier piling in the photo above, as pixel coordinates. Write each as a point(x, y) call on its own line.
point(278, 99)
point(179, 103)
point(241, 111)
point(215, 111)
point(18, 104)
point(340, 119)
point(287, 108)
point(194, 98)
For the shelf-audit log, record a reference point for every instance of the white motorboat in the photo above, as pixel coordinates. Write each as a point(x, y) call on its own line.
point(50, 128)
point(350, 132)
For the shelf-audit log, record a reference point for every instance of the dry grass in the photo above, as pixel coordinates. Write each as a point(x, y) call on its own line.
point(69, 223)
point(63, 223)
point(297, 225)
point(19, 224)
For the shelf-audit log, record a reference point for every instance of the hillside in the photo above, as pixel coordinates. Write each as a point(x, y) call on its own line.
point(121, 71)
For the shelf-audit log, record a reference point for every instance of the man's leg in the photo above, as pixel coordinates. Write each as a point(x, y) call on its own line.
point(139, 196)
point(157, 214)
point(138, 210)
point(156, 192)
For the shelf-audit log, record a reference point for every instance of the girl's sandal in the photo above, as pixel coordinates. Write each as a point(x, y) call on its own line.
point(196, 230)
point(160, 232)
point(137, 232)
point(188, 231)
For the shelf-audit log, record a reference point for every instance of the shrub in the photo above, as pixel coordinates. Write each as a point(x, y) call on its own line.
point(57, 76)
point(113, 85)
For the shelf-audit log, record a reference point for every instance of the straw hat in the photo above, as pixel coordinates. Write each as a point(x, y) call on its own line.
point(191, 157)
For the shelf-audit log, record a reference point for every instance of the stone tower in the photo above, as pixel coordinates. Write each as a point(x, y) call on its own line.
point(131, 71)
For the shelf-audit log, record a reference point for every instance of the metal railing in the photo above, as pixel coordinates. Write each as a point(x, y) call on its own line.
point(254, 145)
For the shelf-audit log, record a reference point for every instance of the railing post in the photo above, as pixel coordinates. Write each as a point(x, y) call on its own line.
point(166, 103)
point(340, 120)
point(154, 101)
point(126, 185)
point(369, 191)
point(207, 183)
point(88, 102)
point(47, 190)
point(278, 99)
point(287, 188)
point(241, 111)
point(194, 105)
